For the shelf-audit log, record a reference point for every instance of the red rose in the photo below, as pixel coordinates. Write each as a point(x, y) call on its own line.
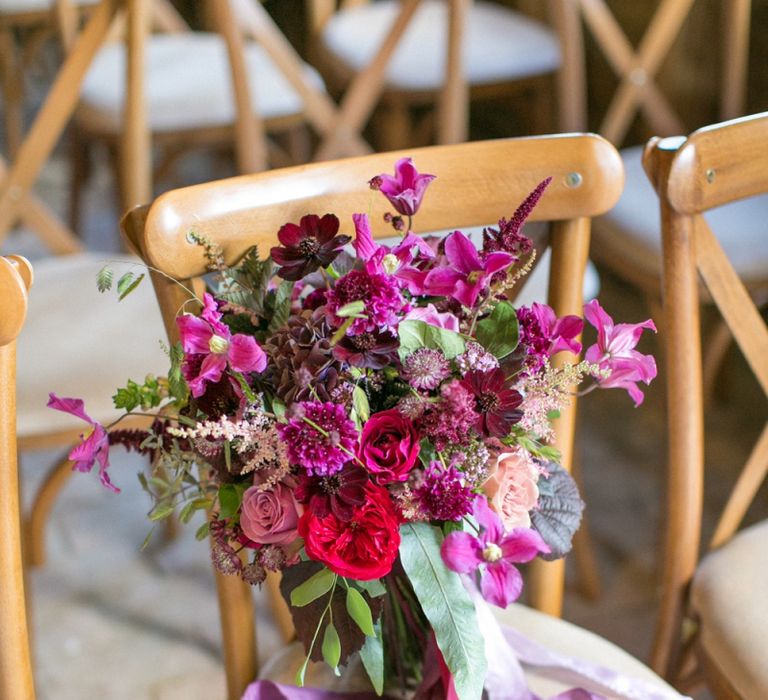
point(363, 548)
point(389, 446)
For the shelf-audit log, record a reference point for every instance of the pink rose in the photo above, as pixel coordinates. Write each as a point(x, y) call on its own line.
point(389, 446)
point(270, 517)
point(512, 489)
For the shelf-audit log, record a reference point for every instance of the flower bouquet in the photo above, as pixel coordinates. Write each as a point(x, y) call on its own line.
point(375, 422)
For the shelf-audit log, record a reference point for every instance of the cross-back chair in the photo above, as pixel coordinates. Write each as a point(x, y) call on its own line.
point(477, 183)
point(15, 660)
point(723, 593)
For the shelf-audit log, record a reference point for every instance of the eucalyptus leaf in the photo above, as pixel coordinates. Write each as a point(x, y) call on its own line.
point(372, 656)
point(447, 606)
point(360, 404)
point(332, 648)
point(418, 334)
point(499, 332)
point(315, 586)
point(559, 511)
point(373, 588)
point(359, 611)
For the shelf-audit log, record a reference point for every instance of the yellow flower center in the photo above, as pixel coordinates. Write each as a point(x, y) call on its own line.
point(474, 276)
point(218, 345)
point(492, 552)
point(390, 263)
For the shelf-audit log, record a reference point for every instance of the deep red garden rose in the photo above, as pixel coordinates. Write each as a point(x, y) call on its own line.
point(389, 446)
point(271, 516)
point(363, 548)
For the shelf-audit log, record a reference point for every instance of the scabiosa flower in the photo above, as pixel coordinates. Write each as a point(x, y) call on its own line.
point(450, 420)
point(426, 368)
point(373, 350)
point(305, 247)
point(476, 357)
point(382, 297)
point(443, 495)
point(495, 403)
point(320, 439)
point(339, 493)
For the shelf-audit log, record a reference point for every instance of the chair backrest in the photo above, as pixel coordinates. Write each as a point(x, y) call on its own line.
point(714, 166)
point(477, 184)
point(15, 661)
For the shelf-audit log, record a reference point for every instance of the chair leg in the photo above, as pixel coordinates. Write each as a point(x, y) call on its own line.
point(716, 349)
point(279, 607)
point(587, 569)
point(41, 509)
point(80, 170)
point(13, 91)
point(392, 125)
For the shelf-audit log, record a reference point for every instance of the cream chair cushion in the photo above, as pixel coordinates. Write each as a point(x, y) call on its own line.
point(81, 343)
point(21, 6)
point(499, 44)
point(188, 83)
point(548, 631)
point(729, 596)
point(740, 227)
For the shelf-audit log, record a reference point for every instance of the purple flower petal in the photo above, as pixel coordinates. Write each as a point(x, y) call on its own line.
point(195, 334)
point(501, 583)
point(245, 354)
point(461, 552)
point(493, 530)
point(365, 247)
point(462, 254)
point(210, 371)
point(75, 407)
point(521, 545)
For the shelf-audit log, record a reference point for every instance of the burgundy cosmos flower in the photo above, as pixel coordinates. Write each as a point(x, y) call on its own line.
point(306, 247)
point(339, 493)
point(372, 350)
point(496, 404)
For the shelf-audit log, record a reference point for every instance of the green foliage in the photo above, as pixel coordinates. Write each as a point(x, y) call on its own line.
point(104, 278)
point(352, 310)
point(499, 332)
point(332, 648)
point(278, 306)
point(447, 606)
point(148, 395)
point(246, 283)
point(127, 283)
point(372, 656)
point(374, 588)
point(359, 611)
point(177, 386)
point(315, 586)
point(418, 334)
point(230, 497)
point(361, 409)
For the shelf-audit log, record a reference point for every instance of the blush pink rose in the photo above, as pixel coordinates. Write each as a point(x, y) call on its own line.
point(389, 446)
point(512, 489)
point(271, 516)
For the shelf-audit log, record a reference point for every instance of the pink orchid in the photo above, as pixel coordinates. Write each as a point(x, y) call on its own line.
point(94, 446)
point(615, 351)
point(467, 275)
point(208, 337)
point(494, 553)
point(430, 315)
point(406, 189)
point(562, 332)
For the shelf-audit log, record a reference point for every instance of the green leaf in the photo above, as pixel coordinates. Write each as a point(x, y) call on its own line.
point(125, 281)
point(282, 307)
point(131, 287)
point(332, 648)
point(499, 332)
point(373, 588)
point(104, 278)
point(202, 531)
point(359, 611)
point(301, 673)
point(418, 334)
point(161, 510)
point(372, 656)
point(314, 587)
point(447, 606)
point(353, 309)
point(360, 404)
point(177, 386)
point(230, 498)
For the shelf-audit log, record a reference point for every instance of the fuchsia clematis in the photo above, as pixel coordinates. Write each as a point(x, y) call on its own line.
point(209, 347)
point(467, 275)
point(406, 189)
point(494, 553)
point(95, 444)
point(615, 351)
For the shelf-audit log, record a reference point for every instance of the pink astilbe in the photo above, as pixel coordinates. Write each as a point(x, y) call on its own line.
point(615, 351)
point(94, 445)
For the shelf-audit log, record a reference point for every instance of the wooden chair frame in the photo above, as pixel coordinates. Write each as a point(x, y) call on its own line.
point(714, 166)
point(488, 178)
point(15, 659)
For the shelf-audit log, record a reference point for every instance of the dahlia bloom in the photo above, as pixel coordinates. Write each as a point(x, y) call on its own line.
point(209, 347)
point(615, 351)
point(406, 189)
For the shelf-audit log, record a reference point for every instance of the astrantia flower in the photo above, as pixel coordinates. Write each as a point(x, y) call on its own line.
point(382, 297)
point(451, 419)
point(305, 247)
point(476, 357)
point(443, 495)
point(372, 350)
point(94, 445)
point(339, 493)
point(406, 189)
point(496, 404)
point(615, 351)
point(321, 440)
point(209, 347)
point(493, 553)
point(426, 368)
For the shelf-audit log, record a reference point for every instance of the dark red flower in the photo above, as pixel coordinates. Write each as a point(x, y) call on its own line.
point(311, 244)
point(496, 404)
point(363, 548)
point(339, 493)
point(373, 350)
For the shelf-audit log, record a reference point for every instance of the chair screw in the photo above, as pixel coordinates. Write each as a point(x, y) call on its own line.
point(710, 176)
point(573, 179)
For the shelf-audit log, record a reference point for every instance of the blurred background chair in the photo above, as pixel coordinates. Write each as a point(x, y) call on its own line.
point(712, 607)
point(15, 659)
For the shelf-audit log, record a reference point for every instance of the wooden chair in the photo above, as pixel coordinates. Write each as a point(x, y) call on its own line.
point(440, 53)
point(15, 661)
point(240, 212)
point(723, 592)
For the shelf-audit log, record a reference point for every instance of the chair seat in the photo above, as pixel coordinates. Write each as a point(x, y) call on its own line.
point(79, 342)
point(499, 44)
point(729, 598)
point(23, 6)
point(188, 83)
point(548, 631)
point(740, 227)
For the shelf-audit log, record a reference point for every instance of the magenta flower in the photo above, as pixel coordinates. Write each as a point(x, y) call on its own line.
point(467, 275)
point(431, 316)
point(615, 351)
point(95, 444)
point(542, 334)
point(209, 347)
point(406, 189)
point(493, 553)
